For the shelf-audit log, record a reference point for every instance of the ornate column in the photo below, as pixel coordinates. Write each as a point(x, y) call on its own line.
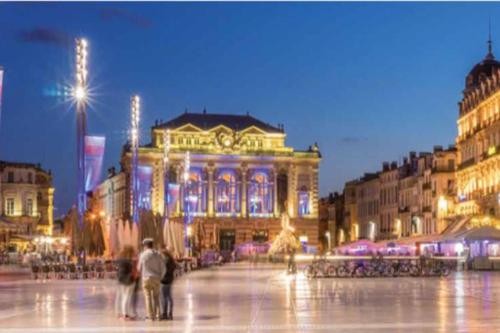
point(210, 194)
point(244, 172)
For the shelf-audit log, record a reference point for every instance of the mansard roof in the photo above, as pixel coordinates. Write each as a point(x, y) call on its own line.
point(21, 165)
point(207, 121)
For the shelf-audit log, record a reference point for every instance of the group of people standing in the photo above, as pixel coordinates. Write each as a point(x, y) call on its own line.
point(155, 272)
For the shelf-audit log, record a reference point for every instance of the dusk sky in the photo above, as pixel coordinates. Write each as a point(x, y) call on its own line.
point(368, 81)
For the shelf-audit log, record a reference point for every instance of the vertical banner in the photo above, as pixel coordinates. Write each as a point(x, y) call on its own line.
point(94, 154)
point(145, 178)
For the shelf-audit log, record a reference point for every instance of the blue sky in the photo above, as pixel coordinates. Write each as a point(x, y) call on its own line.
point(369, 82)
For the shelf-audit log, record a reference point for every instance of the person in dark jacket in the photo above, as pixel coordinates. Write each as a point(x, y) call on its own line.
point(127, 278)
point(166, 285)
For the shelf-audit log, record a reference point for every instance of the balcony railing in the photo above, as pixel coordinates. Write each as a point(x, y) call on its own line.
point(466, 163)
point(426, 186)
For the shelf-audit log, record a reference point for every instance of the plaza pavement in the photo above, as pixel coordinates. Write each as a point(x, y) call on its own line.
point(261, 298)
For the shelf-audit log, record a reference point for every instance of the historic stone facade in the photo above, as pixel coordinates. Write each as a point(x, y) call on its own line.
point(416, 197)
point(241, 177)
point(27, 198)
point(478, 140)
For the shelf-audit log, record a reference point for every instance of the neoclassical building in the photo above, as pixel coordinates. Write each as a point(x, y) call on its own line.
point(241, 178)
point(478, 140)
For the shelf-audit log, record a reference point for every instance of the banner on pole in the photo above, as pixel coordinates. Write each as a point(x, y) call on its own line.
point(145, 178)
point(94, 154)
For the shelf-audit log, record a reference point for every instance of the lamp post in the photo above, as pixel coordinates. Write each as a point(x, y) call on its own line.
point(166, 150)
point(134, 146)
point(187, 232)
point(80, 95)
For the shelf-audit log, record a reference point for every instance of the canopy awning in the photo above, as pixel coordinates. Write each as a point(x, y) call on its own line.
point(362, 244)
point(486, 233)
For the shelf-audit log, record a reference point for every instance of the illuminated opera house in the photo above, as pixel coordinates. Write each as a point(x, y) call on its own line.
point(232, 175)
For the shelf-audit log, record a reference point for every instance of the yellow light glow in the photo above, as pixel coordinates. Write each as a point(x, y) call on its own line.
point(442, 204)
point(189, 231)
point(492, 150)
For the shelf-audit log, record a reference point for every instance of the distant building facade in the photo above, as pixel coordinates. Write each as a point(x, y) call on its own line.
point(416, 197)
point(389, 191)
point(242, 177)
point(27, 197)
point(368, 205)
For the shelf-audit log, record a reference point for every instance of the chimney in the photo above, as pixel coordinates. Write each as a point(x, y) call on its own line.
point(413, 155)
point(394, 165)
point(438, 148)
point(385, 166)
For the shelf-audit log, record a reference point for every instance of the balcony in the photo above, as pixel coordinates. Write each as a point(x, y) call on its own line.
point(466, 164)
point(442, 169)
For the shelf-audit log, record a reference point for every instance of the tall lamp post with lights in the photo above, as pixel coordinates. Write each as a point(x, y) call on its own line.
point(134, 146)
point(187, 221)
point(80, 95)
point(166, 151)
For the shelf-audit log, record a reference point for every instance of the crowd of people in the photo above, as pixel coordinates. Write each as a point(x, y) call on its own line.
point(154, 272)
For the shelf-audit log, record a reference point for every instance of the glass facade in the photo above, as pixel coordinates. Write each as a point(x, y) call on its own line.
point(260, 193)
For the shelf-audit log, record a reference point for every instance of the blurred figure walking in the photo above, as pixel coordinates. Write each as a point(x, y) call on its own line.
point(152, 268)
point(166, 286)
point(127, 278)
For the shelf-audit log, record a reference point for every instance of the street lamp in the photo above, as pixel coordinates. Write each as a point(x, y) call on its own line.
point(80, 95)
point(166, 151)
point(187, 166)
point(328, 238)
point(134, 141)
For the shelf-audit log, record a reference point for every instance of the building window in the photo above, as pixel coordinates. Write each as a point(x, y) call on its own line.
point(196, 191)
point(9, 206)
point(303, 200)
point(29, 207)
point(260, 193)
point(10, 177)
point(227, 192)
point(30, 178)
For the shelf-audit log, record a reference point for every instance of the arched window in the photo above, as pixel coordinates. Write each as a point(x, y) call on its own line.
point(260, 193)
point(227, 192)
point(196, 189)
point(303, 200)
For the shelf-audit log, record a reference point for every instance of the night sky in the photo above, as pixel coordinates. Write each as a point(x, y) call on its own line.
point(368, 82)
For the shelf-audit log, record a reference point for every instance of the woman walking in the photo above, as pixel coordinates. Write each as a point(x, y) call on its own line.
point(166, 286)
point(127, 277)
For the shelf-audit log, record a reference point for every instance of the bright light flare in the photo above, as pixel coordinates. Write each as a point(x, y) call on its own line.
point(80, 94)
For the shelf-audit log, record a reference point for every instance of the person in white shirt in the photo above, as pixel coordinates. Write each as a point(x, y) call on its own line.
point(151, 266)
